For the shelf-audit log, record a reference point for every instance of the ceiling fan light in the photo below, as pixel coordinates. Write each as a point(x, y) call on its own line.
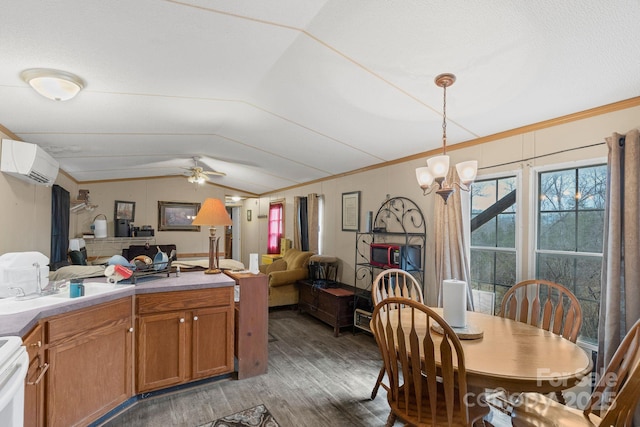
point(467, 171)
point(439, 166)
point(196, 179)
point(53, 84)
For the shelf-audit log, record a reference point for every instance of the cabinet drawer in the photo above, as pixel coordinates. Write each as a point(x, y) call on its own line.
point(69, 325)
point(180, 300)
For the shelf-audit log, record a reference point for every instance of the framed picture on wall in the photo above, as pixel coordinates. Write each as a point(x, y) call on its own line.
point(177, 216)
point(351, 211)
point(125, 210)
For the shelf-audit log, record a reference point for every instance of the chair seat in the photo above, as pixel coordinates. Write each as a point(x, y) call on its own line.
point(537, 410)
point(478, 408)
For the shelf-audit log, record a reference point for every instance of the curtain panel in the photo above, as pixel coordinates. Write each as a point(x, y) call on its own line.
point(620, 291)
point(452, 237)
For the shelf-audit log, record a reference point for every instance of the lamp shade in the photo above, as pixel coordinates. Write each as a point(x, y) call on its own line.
point(439, 166)
point(212, 213)
point(467, 171)
point(424, 177)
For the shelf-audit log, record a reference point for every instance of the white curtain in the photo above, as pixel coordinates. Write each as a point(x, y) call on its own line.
point(620, 293)
point(452, 237)
point(313, 224)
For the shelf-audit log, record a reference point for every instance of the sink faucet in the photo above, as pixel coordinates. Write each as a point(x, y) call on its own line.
point(38, 279)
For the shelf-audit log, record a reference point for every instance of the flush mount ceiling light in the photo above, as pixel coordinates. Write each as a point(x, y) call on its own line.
point(438, 166)
point(53, 84)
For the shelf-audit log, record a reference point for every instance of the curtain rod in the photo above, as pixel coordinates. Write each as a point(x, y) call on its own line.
point(546, 155)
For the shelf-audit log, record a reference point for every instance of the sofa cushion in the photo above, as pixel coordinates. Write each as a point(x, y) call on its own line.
point(277, 265)
point(296, 258)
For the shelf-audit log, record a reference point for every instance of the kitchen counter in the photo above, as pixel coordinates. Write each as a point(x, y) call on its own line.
point(20, 323)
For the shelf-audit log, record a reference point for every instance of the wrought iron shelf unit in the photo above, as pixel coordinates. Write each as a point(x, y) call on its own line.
point(398, 221)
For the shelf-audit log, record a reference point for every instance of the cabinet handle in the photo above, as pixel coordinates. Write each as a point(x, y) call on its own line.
point(195, 317)
point(36, 344)
point(130, 329)
point(44, 368)
point(182, 320)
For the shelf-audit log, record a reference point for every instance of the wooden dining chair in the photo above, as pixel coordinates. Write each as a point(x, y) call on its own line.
point(393, 282)
point(548, 306)
point(544, 304)
point(613, 401)
point(422, 392)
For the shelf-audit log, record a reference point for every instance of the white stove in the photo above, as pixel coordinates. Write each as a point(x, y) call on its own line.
point(14, 362)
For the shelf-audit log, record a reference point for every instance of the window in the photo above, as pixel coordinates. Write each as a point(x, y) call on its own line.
point(276, 226)
point(570, 227)
point(493, 236)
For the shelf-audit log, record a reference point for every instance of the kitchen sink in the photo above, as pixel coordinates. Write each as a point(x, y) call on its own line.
point(91, 289)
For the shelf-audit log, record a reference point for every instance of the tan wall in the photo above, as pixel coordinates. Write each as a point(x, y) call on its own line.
point(399, 180)
point(146, 193)
point(26, 223)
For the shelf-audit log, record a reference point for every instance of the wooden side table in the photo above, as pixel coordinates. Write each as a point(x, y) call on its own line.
point(334, 305)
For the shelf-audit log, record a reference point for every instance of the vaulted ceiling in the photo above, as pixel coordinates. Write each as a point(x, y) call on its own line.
point(279, 93)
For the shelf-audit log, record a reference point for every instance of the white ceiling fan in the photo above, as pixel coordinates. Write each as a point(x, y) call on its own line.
point(198, 175)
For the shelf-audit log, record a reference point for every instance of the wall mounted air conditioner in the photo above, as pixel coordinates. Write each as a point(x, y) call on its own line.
point(28, 162)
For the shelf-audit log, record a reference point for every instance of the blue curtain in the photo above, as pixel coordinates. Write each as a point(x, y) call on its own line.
point(60, 205)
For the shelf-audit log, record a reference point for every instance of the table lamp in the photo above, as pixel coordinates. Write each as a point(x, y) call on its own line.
point(212, 213)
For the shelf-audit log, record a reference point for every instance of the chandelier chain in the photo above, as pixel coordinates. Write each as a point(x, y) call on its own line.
point(444, 120)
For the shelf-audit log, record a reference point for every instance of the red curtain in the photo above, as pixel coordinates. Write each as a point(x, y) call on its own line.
point(275, 228)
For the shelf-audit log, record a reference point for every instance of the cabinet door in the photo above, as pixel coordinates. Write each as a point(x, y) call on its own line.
point(212, 341)
point(34, 387)
point(89, 376)
point(161, 346)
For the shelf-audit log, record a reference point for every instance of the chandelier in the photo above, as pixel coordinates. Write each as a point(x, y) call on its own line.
point(438, 166)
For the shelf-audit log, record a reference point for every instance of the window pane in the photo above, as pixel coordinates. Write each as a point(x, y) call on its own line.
point(482, 266)
point(590, 231)
point(506, 231)
point(590, 316)
point(592, 183)
point(505, 268)
point(557, 231)
point(558, 190)
point(556, 268)
point(588, 278)
point(506, 186)
point(483, 195)
point(485, 235)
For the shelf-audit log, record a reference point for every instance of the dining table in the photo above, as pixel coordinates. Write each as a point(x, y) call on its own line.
point(512, 355)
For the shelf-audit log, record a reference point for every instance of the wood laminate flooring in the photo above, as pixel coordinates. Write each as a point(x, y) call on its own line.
point(314, 380)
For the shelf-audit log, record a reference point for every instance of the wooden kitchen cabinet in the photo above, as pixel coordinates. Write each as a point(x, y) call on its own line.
point(183, 336)
point(91, 360)
point(161, 345)
point(36, 377)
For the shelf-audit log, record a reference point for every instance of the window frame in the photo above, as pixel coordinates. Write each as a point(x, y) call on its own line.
point(534, 180)
point(519, 226)
point(282, 204)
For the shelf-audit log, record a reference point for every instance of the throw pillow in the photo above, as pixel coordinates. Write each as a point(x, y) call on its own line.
point(77, 258)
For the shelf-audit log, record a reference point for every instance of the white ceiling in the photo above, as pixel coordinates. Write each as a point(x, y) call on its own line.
point(282, 92)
